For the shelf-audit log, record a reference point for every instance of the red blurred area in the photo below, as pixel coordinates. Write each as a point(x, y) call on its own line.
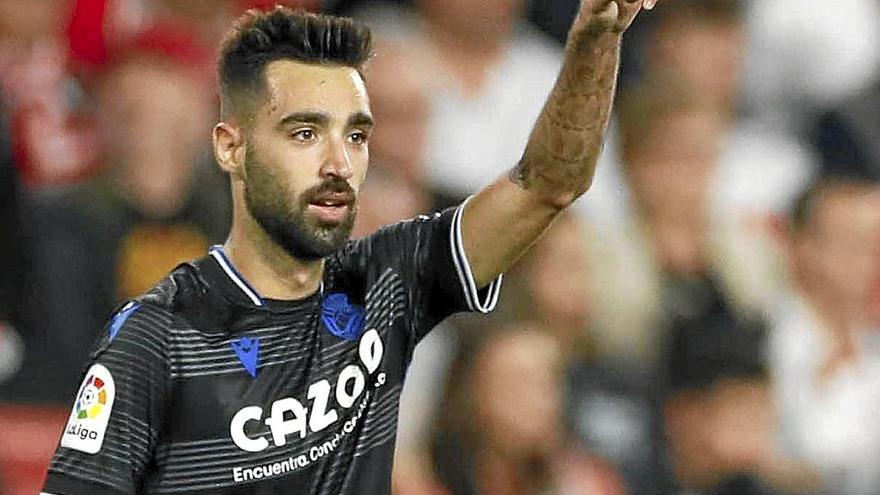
point(30, 436)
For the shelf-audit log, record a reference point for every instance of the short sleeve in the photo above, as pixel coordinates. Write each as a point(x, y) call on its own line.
point(428, 253)
point(115, 419)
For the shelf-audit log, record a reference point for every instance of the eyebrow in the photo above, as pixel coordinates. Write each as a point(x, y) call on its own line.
point(304, 117)
point(361, 119)
point(357, 119)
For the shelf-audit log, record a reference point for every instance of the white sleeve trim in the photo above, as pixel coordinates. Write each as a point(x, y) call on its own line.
point(465, 275)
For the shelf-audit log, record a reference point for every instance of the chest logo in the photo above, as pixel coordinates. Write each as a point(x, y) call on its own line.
point(342, 318)
point(248, 350)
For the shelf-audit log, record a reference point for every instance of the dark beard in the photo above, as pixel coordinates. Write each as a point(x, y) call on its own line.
point(283, 217)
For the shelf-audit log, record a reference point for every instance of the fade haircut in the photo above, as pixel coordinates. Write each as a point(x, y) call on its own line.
point(260, 37)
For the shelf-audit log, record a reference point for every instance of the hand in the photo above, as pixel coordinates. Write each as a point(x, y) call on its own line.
point(608, 16)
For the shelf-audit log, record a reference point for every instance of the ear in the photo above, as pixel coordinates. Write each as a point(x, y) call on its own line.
point(230, 149)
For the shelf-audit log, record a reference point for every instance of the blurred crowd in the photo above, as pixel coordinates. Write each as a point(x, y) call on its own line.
point(705, 321)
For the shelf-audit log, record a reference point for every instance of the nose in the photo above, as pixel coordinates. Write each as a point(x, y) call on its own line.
point(337, 162)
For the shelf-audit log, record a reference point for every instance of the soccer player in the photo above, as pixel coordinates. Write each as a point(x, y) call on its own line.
point(274, 364)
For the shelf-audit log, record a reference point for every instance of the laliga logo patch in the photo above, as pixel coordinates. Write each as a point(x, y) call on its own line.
point(91, 412)
point(343, 319)
point(92, 399)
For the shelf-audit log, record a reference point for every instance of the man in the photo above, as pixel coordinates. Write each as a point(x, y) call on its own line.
point(824, 352)
point(717, 413)
point(156, 204)
point(275, 363)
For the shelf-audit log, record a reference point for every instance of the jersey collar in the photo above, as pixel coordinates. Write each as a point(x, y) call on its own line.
point(233, 283)
point(231, 274)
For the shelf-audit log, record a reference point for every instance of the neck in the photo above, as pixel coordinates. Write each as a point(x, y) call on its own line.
point(273, 272)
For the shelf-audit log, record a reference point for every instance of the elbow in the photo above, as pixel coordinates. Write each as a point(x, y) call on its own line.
point(560, 198)
point(556, 184)
point(560, 201)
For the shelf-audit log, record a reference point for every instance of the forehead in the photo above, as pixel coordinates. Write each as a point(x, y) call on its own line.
point(847, 210)
point(335, 89)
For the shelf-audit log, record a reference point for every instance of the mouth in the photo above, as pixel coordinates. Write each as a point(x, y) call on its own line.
point(331, 208)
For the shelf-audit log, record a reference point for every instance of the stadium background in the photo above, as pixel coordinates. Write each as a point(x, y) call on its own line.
point(681, 331)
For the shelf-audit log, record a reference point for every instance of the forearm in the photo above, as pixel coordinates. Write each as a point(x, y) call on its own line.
point(504, 219)
point(560, 157)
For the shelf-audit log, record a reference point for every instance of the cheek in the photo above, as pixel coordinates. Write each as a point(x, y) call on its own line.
point(283, 168)
point(360, 163)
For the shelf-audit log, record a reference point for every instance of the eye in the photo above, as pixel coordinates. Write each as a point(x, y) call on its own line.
point(358, 137)
point(304, 135)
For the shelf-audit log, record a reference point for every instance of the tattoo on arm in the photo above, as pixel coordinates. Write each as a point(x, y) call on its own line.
point(565, 143)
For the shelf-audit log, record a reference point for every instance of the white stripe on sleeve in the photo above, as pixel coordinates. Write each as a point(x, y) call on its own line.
point(465, 276)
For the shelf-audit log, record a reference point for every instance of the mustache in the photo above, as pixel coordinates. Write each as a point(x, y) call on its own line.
point(334, 185)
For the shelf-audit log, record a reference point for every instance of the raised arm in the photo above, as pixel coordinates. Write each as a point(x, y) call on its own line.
point(500, 222)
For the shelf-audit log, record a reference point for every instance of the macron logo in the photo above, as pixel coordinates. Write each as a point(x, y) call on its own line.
point(247, 349)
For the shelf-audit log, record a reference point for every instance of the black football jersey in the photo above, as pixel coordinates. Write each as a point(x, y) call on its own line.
point(203, 386)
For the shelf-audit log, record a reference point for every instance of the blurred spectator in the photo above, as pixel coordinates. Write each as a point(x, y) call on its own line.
point(825, 353)
point(387, 199)
point(719, 416)
point(553, 284)
point(847, 137)
point(609, 405)
point(112, 238)
point(672, 255)
point(501, 430)
point(491, 74)
point(699, 46)
point(210, 18)
point(400, 102)
point(188, 30)
point(50, 141)
point(803, 57)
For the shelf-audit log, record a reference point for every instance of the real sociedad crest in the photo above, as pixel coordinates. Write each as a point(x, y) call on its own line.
point(342, 318)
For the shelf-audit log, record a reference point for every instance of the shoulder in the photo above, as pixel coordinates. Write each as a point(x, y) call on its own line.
point(168, 305)
point(136, 340)
point(399, 246)
point(181, 288)
point(190, 298)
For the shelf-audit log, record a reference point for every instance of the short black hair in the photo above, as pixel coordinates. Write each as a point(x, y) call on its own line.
point(260, 37)
point(703, 353)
